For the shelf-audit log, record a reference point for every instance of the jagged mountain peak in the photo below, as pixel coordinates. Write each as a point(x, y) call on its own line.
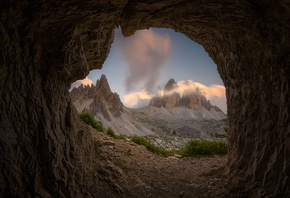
point(97, 99)
point(103, 84)
point(107, 108)
point(190, 99)
point(171, 84)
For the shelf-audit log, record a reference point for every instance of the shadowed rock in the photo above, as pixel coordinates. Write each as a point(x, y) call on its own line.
point(47, 45)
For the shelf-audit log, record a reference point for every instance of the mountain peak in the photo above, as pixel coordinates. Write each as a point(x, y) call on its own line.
point(190, 99)
point(171, 84)
point(103, 84)
point(101, 99)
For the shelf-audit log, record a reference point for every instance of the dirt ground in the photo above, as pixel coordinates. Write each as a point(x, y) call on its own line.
point(130, 170)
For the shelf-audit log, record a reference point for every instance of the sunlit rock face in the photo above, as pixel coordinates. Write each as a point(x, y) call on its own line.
point(190, 99)
point(47, 45)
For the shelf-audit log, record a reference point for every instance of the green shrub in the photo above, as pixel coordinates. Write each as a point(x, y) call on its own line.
point(204, 147)
point(112, 133)
point(121, 136)
point(88, 119)
point(149, 146)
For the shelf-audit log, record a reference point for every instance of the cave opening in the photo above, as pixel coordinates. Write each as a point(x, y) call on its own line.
point(138, 69)
point(165, 119)
point(46, 152)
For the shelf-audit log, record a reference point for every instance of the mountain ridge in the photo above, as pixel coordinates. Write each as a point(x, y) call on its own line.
point(190, 99)
point(188, 118)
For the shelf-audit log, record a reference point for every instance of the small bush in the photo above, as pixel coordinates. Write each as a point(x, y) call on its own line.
point(203, 148)
point(88, 119)
point(112, 133)
point(121, 136)
point(149, 146)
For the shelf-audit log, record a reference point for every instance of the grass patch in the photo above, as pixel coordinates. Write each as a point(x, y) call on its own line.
point(112, 133)
point(88, 119)
point(196, 148)
point(149, 146)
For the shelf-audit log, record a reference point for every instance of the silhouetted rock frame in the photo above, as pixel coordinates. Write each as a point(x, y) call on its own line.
point(46, 45)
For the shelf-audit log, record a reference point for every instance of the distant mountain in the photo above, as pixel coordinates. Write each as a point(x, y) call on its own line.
point(97, 99)
point(106, 107)
point(191, 100)
point(190, 115)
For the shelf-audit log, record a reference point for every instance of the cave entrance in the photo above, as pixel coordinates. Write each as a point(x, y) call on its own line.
point(165, 82)
point(142, 68)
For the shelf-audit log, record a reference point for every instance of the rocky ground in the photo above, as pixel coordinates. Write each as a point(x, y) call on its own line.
point(132, 171)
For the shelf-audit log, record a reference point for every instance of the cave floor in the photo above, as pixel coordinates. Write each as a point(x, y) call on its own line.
point(130, 170)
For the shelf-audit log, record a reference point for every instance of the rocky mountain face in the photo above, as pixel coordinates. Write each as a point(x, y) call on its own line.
point(191, 100)
point(46, 45)
point(97, 99)
point(189, 118)
point(106, 107)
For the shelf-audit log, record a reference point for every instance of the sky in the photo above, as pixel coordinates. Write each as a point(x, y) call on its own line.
point(138, 67)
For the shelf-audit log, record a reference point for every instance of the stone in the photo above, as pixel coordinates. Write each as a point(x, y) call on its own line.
point(178, 156)
point(181, 194)
point(129, 152)
point(108, 143)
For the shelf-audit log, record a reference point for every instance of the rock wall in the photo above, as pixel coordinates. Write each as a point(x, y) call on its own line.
point(46, 45)
point(44, 149)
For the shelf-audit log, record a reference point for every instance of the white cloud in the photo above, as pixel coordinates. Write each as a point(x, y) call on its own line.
point(131, 100)
point(215, 93)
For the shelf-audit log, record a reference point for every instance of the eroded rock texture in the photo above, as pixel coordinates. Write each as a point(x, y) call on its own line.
point(46, 45)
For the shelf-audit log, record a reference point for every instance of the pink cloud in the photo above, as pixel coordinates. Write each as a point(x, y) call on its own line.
point(145, 53)
point(85, 81)
point(215, 93)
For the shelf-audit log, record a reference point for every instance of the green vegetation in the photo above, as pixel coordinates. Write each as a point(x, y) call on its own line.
point(149, 146)
point(112, 133)
point(216, 135)
point(196, 148)
point(88, 119)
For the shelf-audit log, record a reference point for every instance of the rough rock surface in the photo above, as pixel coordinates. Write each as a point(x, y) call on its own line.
point(46, 45)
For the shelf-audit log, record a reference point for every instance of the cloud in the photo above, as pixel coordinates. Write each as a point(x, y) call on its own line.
point(215, 93)
point(145, 53)
point(134, 99)
point(85, 81)
point(190, 87)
